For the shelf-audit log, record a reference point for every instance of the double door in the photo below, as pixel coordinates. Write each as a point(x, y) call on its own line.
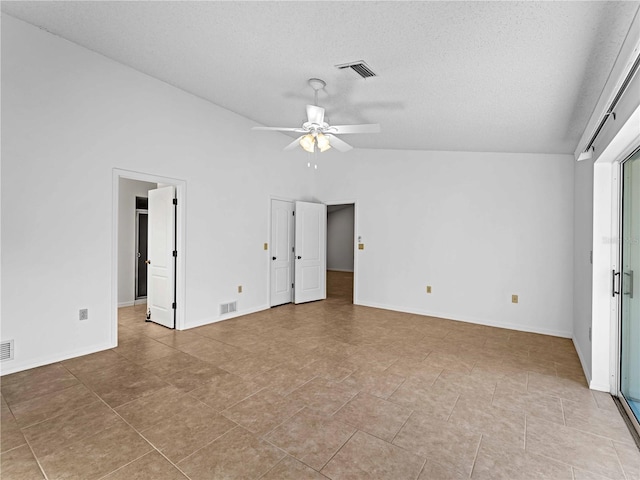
point(298, 252)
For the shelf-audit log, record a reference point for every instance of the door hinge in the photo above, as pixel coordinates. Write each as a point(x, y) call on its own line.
point(175, 201)
point(173, 305)
point(292, 285)
point(293, 213)
point(175, 253)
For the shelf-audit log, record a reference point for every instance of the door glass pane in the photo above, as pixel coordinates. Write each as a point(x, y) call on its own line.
point(630, 294)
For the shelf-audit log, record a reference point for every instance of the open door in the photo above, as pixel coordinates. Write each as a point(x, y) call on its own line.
point(282, 231)
point(161, 257)
point(310, 252)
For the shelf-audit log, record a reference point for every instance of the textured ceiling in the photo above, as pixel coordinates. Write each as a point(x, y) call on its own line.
point(475, 76)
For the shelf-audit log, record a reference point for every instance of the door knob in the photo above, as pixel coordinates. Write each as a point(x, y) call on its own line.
point(148, 262)
point(299, 258)
point(139, 255)
point(273, 258)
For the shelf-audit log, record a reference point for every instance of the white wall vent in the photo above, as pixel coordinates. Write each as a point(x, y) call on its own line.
point(6, 350)
point(228, 307)
point(360, 67)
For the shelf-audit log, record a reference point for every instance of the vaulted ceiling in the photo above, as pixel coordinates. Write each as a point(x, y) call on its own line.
point(473, 76)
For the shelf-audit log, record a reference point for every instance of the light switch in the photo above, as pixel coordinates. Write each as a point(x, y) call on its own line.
point(428, 288)
point(266, 246)
point(361, 246)
point(514, 298)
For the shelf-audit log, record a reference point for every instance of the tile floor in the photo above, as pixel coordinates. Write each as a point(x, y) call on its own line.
point(316, 391)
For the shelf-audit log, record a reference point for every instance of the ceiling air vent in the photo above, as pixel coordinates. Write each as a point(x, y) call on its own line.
point(359, 67)
point(6, 350)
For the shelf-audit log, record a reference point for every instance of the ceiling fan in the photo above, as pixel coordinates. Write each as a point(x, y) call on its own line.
point(318, 135)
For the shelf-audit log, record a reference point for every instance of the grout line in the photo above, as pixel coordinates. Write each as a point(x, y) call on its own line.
point(454, 407)
point(339, 448)
point(44, 474)
point(564, 417)
point(475, 458)
point(525, 432)
point(400, 429)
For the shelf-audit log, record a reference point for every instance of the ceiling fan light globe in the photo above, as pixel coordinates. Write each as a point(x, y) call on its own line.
point(323, 142)
point(307, 143)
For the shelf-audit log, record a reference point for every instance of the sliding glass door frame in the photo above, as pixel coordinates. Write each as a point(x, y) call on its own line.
point(623, 285)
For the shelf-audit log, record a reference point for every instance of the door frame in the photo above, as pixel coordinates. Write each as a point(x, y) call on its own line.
point(355, 242)
point(181, 187)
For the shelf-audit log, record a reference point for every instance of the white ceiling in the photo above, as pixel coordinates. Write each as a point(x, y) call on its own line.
point(474, 76)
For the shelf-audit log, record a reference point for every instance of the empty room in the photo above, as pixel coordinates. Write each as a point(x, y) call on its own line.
point(320, 240)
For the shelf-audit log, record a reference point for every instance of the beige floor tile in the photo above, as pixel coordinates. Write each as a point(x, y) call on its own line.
point(151, 466)
point(324, 396)
point(284, 379)
point(263, 411)
point(237, 454)
point(225, 390)
point(47, 406)
point(143, 350)
point(381, 384)
point(424, 397)
point(188, 430)
point(100, 454)
point(146, 411)
point(58, 432)
point(532, 403)
point(248, 366)
point(495, 422)
point(291, 469)
point(117, 386)
point(311, 438)
point(10, 434)
point(452, 446)
point(592, 419)
point(171, 364)
point(501, 460)
point(479, 386)
point(584, 475)
point(27, 385)
point(560, 387)
point(365, 456)
point(88, 364)
point(195, 376)
point(582, 450)
point(330, 369)
point(211, 351)
point(374, 415)
point(604, 400)
point(629, 456)
point(434, 471)
point(20, 464)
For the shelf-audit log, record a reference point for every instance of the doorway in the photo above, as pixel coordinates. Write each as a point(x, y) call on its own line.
point(629, 293)
point(142, 223)
point(122, 263)
point(341, 251)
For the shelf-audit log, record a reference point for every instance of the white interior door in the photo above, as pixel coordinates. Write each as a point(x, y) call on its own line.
point(310, 252)
point(160, 261)
point(282, 231)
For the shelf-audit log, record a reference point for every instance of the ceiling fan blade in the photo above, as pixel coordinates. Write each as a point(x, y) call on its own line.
point(338, 144)
point(365, 128)
point(280, 129)
point(315, 114)
point(294, 144)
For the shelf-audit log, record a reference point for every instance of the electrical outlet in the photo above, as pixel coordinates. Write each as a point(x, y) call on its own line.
point(514, 298)
point(266, 246)
point(428, 288)
point(83, 314)
point(239, 288)
point(361, 246)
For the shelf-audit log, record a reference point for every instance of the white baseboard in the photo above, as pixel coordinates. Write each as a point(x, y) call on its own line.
point(585, 368)
point(126, 304)
point(478, 321)
point(7, 368)
point(207, 321)
point(339, 270)
point(599, 386)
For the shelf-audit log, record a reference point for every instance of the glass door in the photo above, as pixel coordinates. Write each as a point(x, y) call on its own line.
point(630, 289)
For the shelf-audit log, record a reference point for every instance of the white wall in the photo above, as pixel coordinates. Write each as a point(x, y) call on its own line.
point(340, 239)
point(583, 268)
point(69, 117)
point(127, 248)
point(478, 227)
